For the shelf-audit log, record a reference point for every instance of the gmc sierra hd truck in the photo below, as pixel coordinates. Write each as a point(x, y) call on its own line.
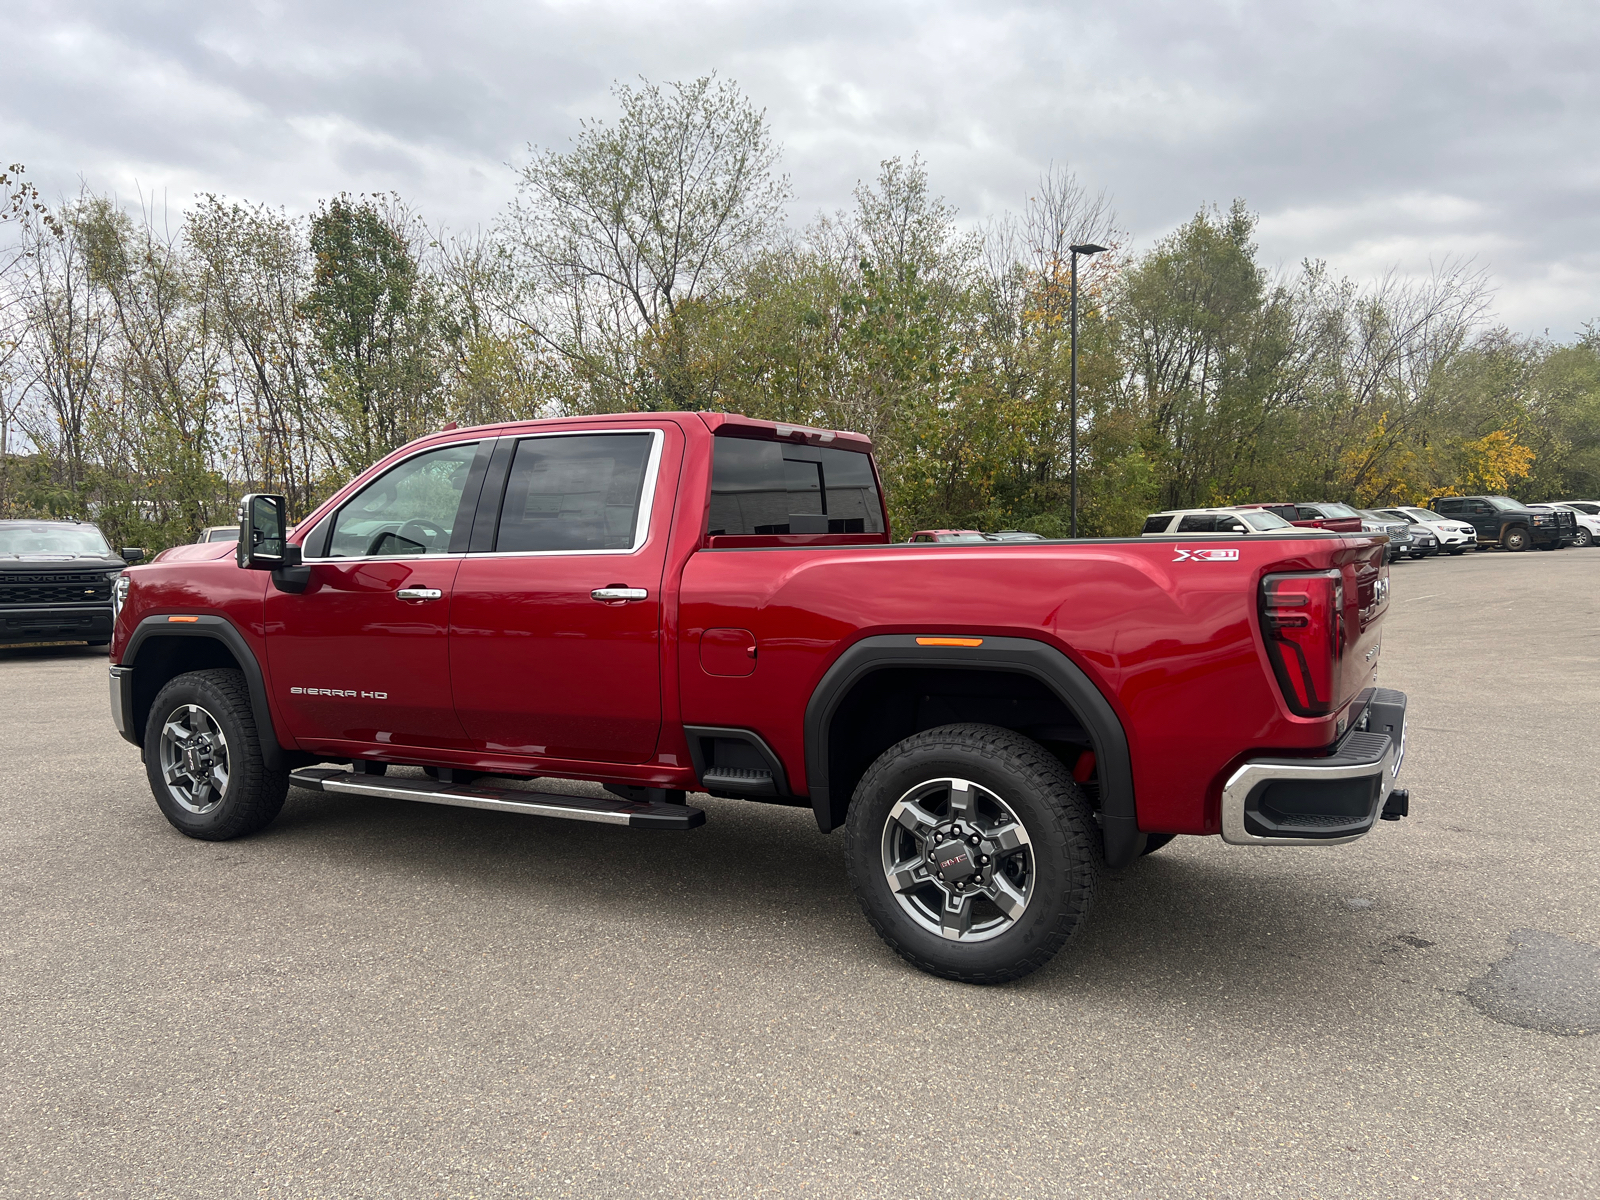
point(672, 602)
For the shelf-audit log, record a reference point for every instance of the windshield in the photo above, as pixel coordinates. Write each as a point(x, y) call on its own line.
point(1592, 510)
point(1258, 519)
point(1422, 514)
point(1338, 510)
point(83, 540)
point(1503, 502)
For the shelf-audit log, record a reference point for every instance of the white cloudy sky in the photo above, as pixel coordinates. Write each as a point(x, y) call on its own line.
point(1371, 135)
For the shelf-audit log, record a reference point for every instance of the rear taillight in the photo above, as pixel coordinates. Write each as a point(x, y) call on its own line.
point(1302, 621)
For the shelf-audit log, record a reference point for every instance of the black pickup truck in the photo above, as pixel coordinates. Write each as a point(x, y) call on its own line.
point(1507, 523)
point(55, 582)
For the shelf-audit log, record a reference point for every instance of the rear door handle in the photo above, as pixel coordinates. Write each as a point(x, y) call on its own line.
point(616, 592)
point(416, 593)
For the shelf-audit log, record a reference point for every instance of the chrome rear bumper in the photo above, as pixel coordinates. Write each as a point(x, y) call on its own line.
point(1321, 801)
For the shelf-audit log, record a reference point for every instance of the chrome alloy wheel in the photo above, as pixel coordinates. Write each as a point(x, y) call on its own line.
point(958, 860)
point(194, 759)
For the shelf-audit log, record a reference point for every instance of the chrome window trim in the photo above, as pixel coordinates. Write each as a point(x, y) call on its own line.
point(641, 524)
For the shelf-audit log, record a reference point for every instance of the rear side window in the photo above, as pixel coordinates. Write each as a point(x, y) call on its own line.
point(1156, 524)
point(578, 492)
point(1449, 506)
point(1198, 523)
point(769, 488)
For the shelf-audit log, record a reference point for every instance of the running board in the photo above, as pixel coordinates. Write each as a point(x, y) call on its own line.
point(609, 811)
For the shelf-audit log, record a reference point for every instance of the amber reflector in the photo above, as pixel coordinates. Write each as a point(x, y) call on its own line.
point(937, 641)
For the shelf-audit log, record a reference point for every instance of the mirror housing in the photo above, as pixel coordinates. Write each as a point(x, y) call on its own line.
point(131, 554)
point(263, 530)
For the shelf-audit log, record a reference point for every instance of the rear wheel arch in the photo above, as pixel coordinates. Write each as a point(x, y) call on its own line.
point(160, 650)
point(840, 747)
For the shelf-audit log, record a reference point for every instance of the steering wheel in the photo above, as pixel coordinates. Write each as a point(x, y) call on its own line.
point(424, 533)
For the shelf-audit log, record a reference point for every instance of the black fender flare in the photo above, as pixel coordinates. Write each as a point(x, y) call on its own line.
point(1118, 812)
point(218, 629)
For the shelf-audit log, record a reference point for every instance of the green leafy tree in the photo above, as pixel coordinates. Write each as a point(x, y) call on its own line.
point(376, 326)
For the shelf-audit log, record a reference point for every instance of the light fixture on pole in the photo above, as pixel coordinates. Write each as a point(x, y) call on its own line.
point(1083, 248)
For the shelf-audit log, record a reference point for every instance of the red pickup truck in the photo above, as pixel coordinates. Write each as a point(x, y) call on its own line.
point(669, 602)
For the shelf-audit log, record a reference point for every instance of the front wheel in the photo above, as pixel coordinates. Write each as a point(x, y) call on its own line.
point(1584, 538)
point(202, 754)
point(972, 852)
point(1515, 539)
point(1458, 552)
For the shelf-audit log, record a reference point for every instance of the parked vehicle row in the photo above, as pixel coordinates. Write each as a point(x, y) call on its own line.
point(1452, 525)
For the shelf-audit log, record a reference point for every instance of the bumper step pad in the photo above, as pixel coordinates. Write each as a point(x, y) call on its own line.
point(608, 811)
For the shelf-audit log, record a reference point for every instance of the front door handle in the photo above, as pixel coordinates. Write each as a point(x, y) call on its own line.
point(616, 593)
point(416, 593)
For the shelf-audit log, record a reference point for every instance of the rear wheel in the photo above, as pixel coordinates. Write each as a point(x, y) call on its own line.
point(972, 852)
point(1515, 538)
point(203, 757)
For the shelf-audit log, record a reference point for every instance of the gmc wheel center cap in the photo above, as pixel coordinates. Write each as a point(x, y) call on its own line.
point(952, 861)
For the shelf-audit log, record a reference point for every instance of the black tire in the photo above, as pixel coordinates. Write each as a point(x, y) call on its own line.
point(1584, 538)
point(1154, 842)
point(250, 796)
point(1515, 539)
point(1065, 850)
point(1457, 552)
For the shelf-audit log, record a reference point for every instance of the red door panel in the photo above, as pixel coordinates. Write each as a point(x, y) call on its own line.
point(354, 661)
point(540, 665)
point(542, 669)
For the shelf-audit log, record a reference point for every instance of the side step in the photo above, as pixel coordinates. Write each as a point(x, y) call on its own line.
point(746, 781)
point(609, 811)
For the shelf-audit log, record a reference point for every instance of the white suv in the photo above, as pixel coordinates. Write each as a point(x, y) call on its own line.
point(1203, 521)
point(1455, 537)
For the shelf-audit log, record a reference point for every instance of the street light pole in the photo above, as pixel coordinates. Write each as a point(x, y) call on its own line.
point(1084, 248)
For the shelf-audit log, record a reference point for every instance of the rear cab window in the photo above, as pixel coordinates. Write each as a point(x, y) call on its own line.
point(777, 493)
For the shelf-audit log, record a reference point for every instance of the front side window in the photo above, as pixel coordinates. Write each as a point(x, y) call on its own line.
point(770, 488)
point(412, 508)
point(1198, 523)
point(578, 492)
point(1481, 507)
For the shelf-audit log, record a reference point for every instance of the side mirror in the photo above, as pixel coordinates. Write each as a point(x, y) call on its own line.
point(263, 527)
point(131, 554)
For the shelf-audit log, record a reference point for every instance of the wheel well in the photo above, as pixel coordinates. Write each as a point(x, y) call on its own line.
point(164, 658)
point(893, 703)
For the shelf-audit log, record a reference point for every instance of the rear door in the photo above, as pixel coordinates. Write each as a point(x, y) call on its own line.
point(1483, 517)
point(555, 626)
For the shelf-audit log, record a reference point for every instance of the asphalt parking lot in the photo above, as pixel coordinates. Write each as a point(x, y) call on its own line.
point(380, 999)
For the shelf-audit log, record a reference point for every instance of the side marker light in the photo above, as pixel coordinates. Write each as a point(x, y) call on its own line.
point(949, 641)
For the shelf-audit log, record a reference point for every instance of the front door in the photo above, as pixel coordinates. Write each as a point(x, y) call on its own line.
point(555, 625)
point(361, 656)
